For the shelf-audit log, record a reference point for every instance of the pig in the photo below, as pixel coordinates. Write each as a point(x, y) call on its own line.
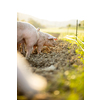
point(29, 33)
point(28, 82)
point(45, 39)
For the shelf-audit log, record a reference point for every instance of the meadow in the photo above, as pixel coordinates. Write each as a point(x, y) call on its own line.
point(69, 32)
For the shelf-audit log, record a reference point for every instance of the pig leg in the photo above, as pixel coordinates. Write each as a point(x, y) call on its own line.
point(34, 47)
point(29, 46)
point(48, 48)
point(29, 50)
point(39, 48)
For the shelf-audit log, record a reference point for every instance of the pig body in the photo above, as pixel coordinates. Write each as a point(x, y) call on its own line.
point(29, 33)
point(45, 39)
point(27, 81)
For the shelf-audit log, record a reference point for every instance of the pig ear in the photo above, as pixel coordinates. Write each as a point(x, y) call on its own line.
point(38, 29)
point(52, 37)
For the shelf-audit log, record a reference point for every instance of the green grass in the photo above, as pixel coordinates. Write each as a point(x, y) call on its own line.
point(62, 30)
point(80, 35)
point(66, 31)
point(69, 86)
point(79, 28)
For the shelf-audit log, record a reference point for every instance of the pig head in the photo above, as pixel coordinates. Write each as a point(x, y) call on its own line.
point(45, 39)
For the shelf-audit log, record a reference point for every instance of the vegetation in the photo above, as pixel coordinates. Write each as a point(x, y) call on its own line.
point(69, 25)
point(65, 31)
point(70, 85)
point(81, 24)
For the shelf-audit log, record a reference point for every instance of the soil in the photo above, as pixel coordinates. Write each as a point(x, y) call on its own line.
point(62, 57)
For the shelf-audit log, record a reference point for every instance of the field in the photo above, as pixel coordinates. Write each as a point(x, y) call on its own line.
point(66, 31)
point(71, 31)
point(66, 81)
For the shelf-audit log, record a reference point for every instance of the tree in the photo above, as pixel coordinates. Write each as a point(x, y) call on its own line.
point(69, 25)
point(79, 24)
point(82, 23)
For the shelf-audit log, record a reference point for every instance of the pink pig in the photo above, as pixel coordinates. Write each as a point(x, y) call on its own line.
point(27, 32)
point(45, 39)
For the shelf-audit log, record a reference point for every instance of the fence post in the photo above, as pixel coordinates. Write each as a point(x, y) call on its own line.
point(76, 28)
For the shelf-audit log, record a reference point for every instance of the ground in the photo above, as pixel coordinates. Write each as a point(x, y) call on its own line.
point(63, 69)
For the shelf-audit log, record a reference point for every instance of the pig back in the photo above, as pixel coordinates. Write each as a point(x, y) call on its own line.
point(26, 31)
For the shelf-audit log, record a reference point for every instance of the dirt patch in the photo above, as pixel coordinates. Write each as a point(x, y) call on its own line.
point(63, 56)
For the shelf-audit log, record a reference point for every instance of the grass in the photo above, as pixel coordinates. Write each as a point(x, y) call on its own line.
point(62, 30)
point(66, 31)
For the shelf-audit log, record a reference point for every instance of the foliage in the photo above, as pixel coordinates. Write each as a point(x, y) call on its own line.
point(71, 32)
point(69, 25)
point(81, 23)
point(64, 30)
